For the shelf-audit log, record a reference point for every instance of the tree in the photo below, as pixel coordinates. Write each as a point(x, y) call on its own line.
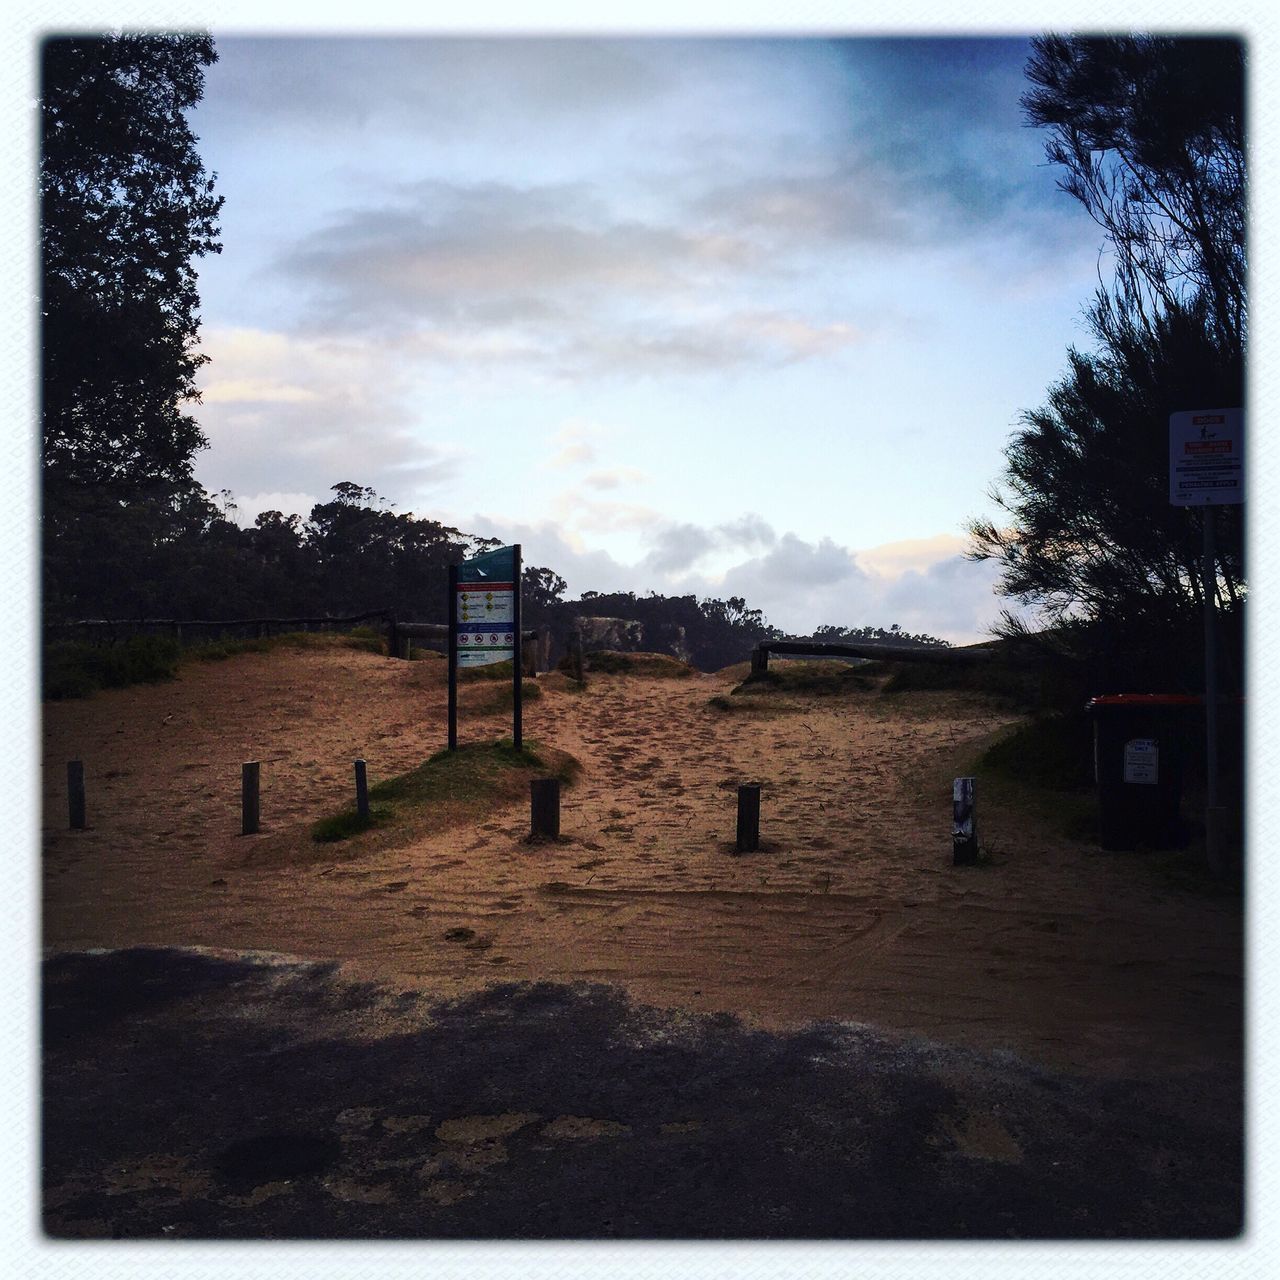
point(1149, 132)
point(125, 208)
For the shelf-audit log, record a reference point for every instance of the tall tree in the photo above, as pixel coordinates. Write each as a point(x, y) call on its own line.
point(125, 208)
point(1149, 132)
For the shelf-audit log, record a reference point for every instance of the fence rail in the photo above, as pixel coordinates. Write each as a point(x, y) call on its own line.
point(943, 656)
point(107, 631)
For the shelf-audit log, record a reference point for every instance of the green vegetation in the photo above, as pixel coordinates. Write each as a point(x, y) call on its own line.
point(494, 671)
point(73, 669)
point(1052, 751)
point(613, 662)
point(1147, 132)
point(502, 697)
point(823, 677)
point(998, 680)
point(450, 787)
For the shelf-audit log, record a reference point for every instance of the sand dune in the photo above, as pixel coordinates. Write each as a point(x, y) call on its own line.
point(851, 910)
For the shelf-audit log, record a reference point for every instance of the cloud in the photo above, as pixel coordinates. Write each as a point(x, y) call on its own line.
point(614, 478)
point(799, 585)
point(555, 278)
point(352, 423)
point(431, 85)
point(892, 559)
point(250, 506)
point(678, 547)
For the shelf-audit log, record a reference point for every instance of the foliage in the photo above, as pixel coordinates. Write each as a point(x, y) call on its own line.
point(711, 633)
point(75, 670)
point(823, 678)
point(612, 662)
point(1149, 133)
point(872, 635)
point(452, 786)
point(996, 680)
point(125, 207)
point(1051, 751)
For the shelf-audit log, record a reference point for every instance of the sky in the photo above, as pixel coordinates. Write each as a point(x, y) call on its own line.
point(729, 316)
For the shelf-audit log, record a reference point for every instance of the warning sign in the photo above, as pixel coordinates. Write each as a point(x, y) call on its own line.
point(1142, 761)
point(1206, 457)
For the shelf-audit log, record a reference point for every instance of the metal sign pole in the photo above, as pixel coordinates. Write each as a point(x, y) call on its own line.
point(517, 637)
point(1213, 814)
point(1206, 469)
point(451, 612)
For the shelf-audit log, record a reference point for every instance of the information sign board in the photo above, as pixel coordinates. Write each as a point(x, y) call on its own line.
point(1206, 457)
point(484, 609)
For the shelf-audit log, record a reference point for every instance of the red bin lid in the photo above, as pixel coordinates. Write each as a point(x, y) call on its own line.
point(1146, 700)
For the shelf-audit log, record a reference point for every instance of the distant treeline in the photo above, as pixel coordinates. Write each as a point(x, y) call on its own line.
point(352, 554)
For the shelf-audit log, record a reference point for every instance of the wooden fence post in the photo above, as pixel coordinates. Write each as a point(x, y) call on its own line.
point(575, 652)
point(544, 809)
point(759, 660)
point(362, 790)
point(964, 823)
point(75, 794)
point(249, 811)
point(748, 840)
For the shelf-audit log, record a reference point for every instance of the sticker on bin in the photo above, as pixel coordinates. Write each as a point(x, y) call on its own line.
point(1142, 761)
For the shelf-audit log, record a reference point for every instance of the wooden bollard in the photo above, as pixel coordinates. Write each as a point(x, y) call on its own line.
point(759, 661)
point(75, 794)
point(748, 840)
point(575, 652)
point(249, 811)
point(362, 790)
point(964, 823)
point(544, 809)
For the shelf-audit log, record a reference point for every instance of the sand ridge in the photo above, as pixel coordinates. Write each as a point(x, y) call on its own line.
point(851, 910)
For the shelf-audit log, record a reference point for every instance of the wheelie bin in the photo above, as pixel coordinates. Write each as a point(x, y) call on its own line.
point(1138, 746)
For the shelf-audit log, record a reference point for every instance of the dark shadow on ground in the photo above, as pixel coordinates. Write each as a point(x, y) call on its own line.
point(189, 1095)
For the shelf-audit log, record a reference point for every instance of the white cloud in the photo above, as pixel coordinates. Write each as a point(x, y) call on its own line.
point(250, 506)
point(352, 423)
point(799, 585)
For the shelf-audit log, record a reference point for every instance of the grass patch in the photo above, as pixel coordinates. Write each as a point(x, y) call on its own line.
point(1054, 752)
point(996, 680)
point(614, 662)
point(75, 670)
point(822, 677)
point(451, 787)
point(494, 671)
point(72, 669)
point(502, 697)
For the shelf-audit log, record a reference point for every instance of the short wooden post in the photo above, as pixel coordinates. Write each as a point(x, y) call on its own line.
point(75, 794)
point(575, 652)
point(249, 811)
point(362, 790)
point(544, 809)
point(964, 823)
point(759, 660)
point(748, 818)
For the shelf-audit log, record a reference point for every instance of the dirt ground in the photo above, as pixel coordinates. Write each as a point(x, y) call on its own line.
point(851, 910)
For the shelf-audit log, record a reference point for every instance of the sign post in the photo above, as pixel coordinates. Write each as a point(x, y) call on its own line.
point(484, 625)
point(1206, 469)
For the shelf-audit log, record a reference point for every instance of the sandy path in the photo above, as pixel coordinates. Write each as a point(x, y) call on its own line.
point(852, 910)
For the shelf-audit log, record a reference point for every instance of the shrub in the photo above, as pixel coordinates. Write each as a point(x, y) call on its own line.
point(75, 670)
